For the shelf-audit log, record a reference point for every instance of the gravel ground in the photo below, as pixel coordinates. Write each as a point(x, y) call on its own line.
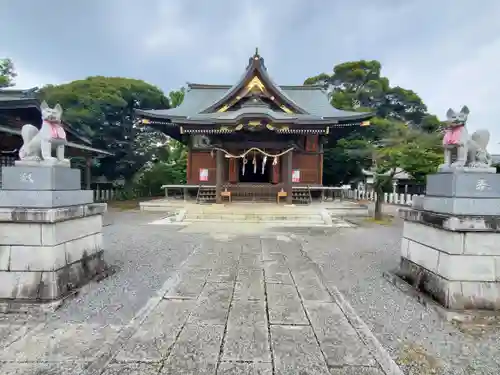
point(143, 256)
point(353, 260)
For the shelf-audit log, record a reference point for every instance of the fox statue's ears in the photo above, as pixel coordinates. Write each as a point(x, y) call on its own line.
point(450, 113)
point(464, 112)
point(58, 108)
point(44, 105)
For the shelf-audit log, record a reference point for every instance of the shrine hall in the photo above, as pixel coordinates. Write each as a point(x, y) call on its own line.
point(255, 140)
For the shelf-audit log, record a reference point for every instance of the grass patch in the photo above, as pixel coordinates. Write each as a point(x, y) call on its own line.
point(416, 360)
point(126, 205)
point(386, 220)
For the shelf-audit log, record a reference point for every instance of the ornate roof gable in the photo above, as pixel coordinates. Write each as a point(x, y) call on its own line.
point(255, 82)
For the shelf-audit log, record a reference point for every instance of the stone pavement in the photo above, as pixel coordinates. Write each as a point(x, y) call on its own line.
point(234, 305)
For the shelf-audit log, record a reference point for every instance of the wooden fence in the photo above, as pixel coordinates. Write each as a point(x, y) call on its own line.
point(390, 198)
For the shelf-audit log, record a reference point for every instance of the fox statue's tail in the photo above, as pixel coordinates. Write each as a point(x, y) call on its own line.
point(28, 132)
point(481, 137)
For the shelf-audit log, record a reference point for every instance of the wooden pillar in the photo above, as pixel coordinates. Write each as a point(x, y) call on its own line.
point(233, 172)
point(276, 171)
point(88, 172)
point(288, 177)
point(219, 170)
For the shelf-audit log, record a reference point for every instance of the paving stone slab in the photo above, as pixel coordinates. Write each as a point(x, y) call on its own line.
point(290, 312)
point(208, 312)
point(43, 368)
point(250, 260)
point(277, 273)
point(249, 274)
point(296, 351)
point(157, 334)
point(356, 370)
point(132, 369)
point(247, 290)
point(222, 274)
point(217, 292)
point(284, 305)
point(247, 343)
point(278, 294)
point(312, 289)
point(232, 368)
point(187, 288)
point(247, 313)
point(339, 341)
point(196, 350)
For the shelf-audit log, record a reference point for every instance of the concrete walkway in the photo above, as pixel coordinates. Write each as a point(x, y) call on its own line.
point(235, 305)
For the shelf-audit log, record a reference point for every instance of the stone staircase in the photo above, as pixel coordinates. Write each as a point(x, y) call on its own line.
point(252, 213)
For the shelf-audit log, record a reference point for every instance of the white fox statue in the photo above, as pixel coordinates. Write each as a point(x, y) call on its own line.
point(38, 144)
point(470, 149)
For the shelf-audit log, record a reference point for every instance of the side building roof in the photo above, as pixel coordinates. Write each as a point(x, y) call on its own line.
point(16, 99)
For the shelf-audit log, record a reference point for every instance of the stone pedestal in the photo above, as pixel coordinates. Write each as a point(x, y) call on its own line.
point(50, 235)
point(451, 241)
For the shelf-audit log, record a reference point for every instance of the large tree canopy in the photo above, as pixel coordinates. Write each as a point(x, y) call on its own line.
point(402, 127)
point(7, 73)
point(101, 108)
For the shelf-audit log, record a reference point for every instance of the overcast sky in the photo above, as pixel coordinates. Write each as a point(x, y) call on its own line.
point(448, 51)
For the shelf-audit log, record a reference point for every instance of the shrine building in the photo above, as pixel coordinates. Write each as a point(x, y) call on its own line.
point(253, 140)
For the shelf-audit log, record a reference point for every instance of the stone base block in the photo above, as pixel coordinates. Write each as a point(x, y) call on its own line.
point(50, 256)
point(47, 286)
point(50, 215)
point(37, 178)
point(48, 234)
point(464, 185)
point(45, 199)
point(459, 268)
point(462, 206)
point(454, 295)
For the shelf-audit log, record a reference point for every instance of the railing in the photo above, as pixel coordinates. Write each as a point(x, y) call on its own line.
point(253, 192)
point(390, 198)
point(114, 194)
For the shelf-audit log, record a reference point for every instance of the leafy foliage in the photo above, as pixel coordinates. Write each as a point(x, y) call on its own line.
point(102, 108)
point(170, 170)
point(402, 135)
point(7, 73)
point(168, 164)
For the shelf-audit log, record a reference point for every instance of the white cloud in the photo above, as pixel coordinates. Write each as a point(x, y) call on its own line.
point(28, 78)
point(170, 29)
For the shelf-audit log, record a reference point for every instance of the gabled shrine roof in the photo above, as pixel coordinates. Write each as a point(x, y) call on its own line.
point(210, 104)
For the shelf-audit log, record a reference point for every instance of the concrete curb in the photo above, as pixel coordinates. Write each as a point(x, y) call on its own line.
point(383, 358)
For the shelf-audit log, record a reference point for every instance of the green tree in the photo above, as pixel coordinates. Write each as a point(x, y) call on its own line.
point(169, 161)
point(7, 73)
point(398, 146)
point(359, 86)
point(102, 108)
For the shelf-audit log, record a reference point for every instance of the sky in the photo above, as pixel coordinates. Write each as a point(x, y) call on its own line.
point(448, 51)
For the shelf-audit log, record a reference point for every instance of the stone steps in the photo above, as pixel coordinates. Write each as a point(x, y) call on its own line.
point(255, 217)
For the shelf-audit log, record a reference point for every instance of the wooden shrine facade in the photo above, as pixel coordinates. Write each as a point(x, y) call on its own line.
point(254, 132)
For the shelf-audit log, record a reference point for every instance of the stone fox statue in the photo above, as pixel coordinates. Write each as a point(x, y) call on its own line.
point(471, 151)
point(38, 144)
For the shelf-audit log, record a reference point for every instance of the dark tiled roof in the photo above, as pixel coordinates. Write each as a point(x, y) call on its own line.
point(310, 103)
point(199, 97)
